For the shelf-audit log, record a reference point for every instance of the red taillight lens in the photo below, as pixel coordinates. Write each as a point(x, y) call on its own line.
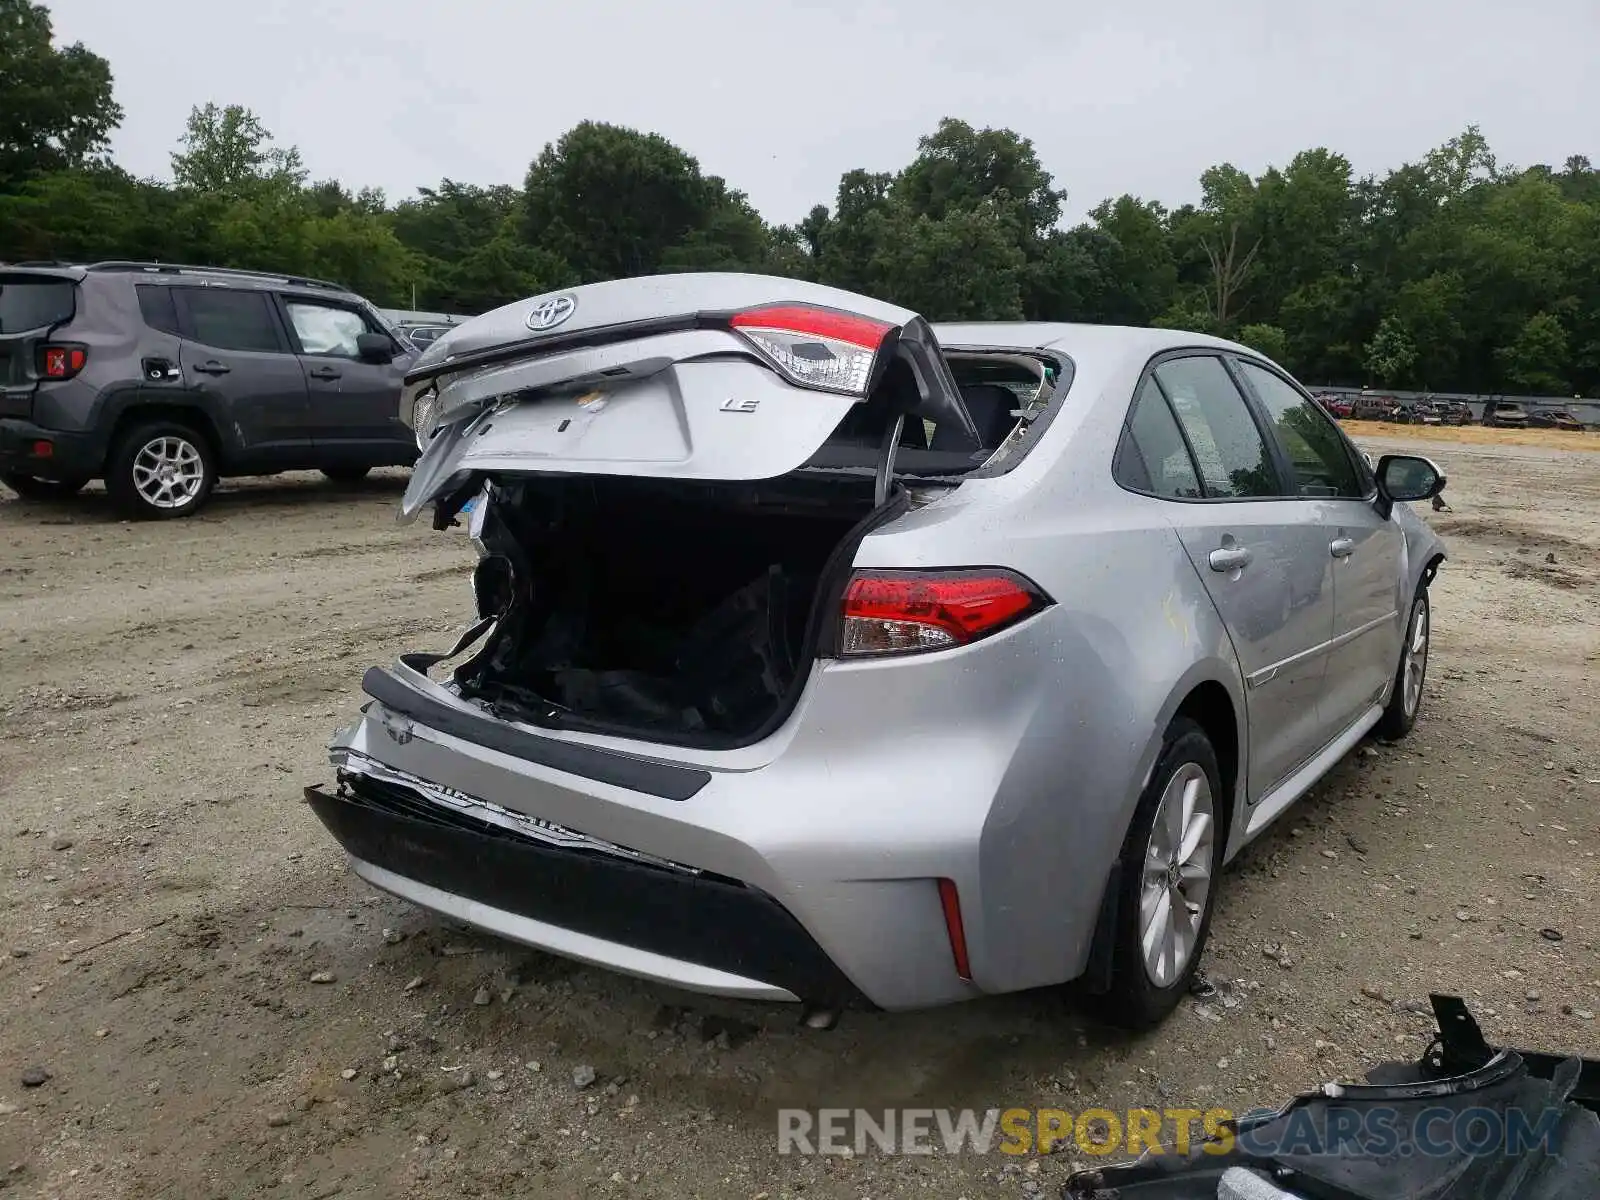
point(816, 347)
point(62, 362)
point(897, 612)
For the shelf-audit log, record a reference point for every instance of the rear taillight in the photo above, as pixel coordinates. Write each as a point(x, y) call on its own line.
point(62, 362)
point(816, 347)
point(899, 612)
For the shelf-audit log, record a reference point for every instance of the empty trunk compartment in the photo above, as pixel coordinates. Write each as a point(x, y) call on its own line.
point(688, 613)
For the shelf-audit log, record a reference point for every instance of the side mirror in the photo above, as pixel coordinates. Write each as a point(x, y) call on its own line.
point(374, 348)
point(1403, 478)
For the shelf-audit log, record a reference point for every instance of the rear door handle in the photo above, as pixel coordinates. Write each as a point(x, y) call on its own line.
point(323, 373)
point(1342, 547)
point(213, 368)
point(1230, 558)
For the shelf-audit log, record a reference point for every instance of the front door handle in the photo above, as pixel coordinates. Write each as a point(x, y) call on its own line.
point(213, 367)
point(1342, 547)
point(323, 373)
point(1230, 558)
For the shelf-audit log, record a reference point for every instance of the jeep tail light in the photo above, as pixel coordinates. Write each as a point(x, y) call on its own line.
point(820, 348)
point(899, 612)
point(62, 362)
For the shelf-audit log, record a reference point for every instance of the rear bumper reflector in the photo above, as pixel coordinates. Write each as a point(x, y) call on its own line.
point(950, 900)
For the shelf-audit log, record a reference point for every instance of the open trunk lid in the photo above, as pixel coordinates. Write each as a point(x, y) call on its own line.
point(709, 377)
point(33, 302)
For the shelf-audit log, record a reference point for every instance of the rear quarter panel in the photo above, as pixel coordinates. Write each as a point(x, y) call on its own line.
point(1131, 632)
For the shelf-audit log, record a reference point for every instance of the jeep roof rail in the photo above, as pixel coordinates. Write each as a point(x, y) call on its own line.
point(187, 268)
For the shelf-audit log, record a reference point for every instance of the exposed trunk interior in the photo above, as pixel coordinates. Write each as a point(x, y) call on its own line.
point(675, 612)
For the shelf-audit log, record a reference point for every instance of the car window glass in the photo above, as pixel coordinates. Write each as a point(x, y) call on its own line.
point(325, 330)
point(1322, 466)
point(155, 305)
point(1228, 448)
point(1152, 457)
point(230, 320)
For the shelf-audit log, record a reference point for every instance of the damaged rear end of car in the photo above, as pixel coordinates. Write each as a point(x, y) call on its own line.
point(671, 480)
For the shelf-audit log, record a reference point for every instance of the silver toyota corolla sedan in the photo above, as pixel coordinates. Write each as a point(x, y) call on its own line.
point(826, 655)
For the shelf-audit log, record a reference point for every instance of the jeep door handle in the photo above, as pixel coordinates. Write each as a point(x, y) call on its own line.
point(213, 368)
point(323, 373)
point(1230, 558)
point(1342, 547)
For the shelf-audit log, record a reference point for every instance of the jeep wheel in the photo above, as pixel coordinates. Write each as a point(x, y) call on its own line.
point(160, 470)
point(30, 487)
point(346, 475)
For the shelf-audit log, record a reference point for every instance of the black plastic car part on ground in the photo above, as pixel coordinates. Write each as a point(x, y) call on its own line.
point(704, 919)
point(1467, 1122)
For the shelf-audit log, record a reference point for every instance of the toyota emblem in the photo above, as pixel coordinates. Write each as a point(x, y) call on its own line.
point(547, 314)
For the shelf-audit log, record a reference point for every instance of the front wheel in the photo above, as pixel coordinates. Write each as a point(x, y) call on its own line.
point(160, 470)
point(1405, 697)
point(31, 487)
point(1170, 860)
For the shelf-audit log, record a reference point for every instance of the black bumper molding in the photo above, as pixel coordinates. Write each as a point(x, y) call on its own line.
point(708, 920)
point(667, 780)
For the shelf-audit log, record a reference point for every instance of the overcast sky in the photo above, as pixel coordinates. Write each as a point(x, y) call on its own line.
point(781, 97)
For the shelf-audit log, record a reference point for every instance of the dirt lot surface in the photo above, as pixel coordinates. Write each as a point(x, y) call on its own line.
point(1476, 435)
point(224, 1011)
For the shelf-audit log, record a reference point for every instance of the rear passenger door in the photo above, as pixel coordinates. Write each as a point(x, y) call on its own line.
point(1366, 549)
point(355, 405)
point(1264, 568)
point(235, 354)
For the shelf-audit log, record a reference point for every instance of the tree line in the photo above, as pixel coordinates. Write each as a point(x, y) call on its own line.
point(1456, 272)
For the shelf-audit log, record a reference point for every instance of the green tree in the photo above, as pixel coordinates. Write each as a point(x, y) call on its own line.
point(1268, 340)
point(1536, 358)
point(612, 202)
point(1390, 353)
point(227, 152)
point(56, 106)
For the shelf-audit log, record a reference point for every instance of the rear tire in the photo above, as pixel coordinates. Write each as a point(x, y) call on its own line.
point(1405, 696)
point(30, 487)
point(161, 470)
point(346, 475)
point(1170, 857)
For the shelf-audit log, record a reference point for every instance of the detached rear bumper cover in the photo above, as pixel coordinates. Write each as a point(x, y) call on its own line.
point(1468, 1122)
point(691, 930)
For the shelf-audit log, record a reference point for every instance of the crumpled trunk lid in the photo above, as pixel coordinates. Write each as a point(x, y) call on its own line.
point(657, 378)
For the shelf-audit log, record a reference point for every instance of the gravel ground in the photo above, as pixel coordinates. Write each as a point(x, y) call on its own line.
point(222, 1010)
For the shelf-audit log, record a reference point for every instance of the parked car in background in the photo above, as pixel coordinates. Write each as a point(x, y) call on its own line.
point(1555, 418)
point(422, 336)
point(160, 379)
point(1504, 414)
point(1337, 406)
point(825, 655)
point(1453, 412)
point(1374, 408)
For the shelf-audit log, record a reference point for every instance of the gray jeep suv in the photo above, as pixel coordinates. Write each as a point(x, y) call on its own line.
point(159, 379)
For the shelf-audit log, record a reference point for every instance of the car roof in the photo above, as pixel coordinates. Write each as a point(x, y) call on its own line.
point(160, 272)
point(1075, 338)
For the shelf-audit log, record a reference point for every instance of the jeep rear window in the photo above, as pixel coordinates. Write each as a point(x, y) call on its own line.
point(28, 303)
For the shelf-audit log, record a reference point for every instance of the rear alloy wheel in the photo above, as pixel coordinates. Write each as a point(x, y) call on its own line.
point(1405, 697)
point(346, 475)
point(161, 470)
point(1169, 865)
point(30, 487)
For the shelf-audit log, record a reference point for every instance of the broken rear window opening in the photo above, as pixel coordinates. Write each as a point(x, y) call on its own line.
point(1009, 394)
